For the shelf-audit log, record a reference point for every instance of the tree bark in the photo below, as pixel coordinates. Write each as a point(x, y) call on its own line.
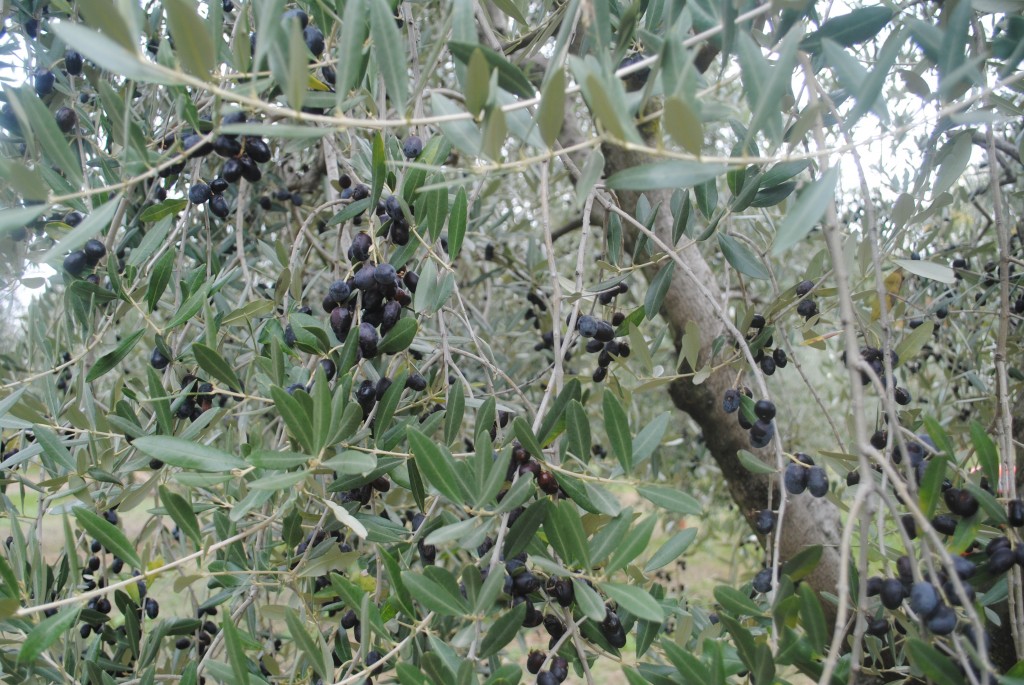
point(809, 521)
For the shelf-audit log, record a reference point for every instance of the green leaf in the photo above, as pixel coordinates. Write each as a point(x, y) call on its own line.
point(350, 65)
point(809, 209)
point(690, 667)
point(525, 435)
point(930, 270)
point(683, 124)
point(192, 42)
point(551, 113)
point(453, 413)
point(399, 337)
point(954, 162)
point(457, 223)
point(282, 461)
point(211, 362)
point(187, 454)
point(510, 77)
point(671, 499)
point(522, 532)
point(46, 133)
point(735, 602)
point(860, 25)
point(462, 133)
point(295, 416)
point(868, 95)
point(706, 196)
point(985, 449)
point(578, 429)
point(275, 482)
point(635, 600)
point(109, 535)
point(236, 652)
point(388, 46)
point(616, 426)
point(109, 55)
point(648, 439)
point(752, 463)
point(564, 530)
point(54, 447)
point(182, 513)
point(765, 97)
point(97, 220)
point(908, 348)
point(434, 596)
point(306, 644)
point(549, 426)
point(189, 307)
point(114, 357)
point(741, 258)
point(813, 619)
point(657, 289)
point(436, 465)
point(159, 277)
point(608, 111)
point(671, 550)
point(633, 545)
point(587, 599)
point(12, 219)
point(783, 171)
point(802, 563)
point(936, 666)
point(47, 632)
point(666, 174)
point(593, 167)
point(769, 197)
point(503, 631)
point(379, 167)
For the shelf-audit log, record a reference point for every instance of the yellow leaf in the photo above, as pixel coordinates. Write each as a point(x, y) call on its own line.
point(317, 84)
point(893, 282)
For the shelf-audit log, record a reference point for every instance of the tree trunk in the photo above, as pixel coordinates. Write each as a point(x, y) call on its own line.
point(808, 521)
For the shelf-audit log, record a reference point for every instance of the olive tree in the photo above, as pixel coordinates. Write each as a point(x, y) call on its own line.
point(411, 341)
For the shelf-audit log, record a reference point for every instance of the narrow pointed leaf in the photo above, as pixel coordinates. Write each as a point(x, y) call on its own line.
point(617, 427)
point(187, 454)
point(192, 42)
point(635, 600)
point(182, 513)
point(109, 535)
point(113, 358)
point(503, 631)
point(436, 465)
point(741, 258)
point(388, 46)
point(666, 174)
point(807, 212)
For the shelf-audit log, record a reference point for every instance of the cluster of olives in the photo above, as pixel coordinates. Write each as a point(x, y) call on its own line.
point(96, 571)
point(763, 429)
point(381, 296)
point(807, 307)
point(199, 397)
point(557, 672)
point(65, 375)
point(801, 474)
point(242, 155)
point(203, 635)
point(522, 463)
point(601, 341)
point(767, 362)
point(78, 261)
point(875, 358)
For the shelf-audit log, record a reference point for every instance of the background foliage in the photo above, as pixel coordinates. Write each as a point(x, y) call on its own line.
point(356, 322)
